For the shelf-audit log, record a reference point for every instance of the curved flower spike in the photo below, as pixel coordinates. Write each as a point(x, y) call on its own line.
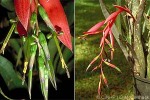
point(105, 39)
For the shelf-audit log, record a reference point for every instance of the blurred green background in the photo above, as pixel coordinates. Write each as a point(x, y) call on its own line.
point(87, 14)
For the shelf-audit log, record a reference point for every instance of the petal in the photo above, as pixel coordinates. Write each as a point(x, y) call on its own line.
point(58, 18)
point(22, 8)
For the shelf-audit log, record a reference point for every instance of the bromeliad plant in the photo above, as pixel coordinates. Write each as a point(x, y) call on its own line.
point(34, 42)
point(131, 40)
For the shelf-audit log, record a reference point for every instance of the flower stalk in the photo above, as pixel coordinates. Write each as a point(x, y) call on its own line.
point(7, 38)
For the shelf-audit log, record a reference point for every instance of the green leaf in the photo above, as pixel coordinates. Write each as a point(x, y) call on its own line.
point(9, 75)
point(8, 4)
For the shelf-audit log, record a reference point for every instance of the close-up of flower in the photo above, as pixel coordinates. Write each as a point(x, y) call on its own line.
point(42, 47)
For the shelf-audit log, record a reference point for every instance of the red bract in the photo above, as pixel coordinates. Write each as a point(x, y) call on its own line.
point(22, 8)
point(113, 16)
point(94, 29)
point(58, 18)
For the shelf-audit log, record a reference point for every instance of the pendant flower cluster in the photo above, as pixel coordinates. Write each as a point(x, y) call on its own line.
point(107, 39)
